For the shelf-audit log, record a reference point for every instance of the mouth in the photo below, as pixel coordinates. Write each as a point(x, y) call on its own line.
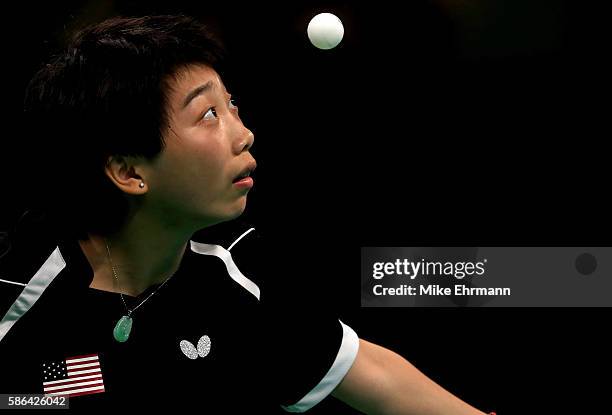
point(245, 172)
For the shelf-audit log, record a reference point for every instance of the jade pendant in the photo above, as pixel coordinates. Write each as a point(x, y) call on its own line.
point(122, 329)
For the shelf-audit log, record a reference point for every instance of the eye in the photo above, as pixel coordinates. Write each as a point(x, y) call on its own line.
point(212, 111)
point(232, 104)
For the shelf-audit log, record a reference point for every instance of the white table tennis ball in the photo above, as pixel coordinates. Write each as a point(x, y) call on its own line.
point(325, 31)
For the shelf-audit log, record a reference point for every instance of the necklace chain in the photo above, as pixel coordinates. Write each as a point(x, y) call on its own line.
point(129, 312)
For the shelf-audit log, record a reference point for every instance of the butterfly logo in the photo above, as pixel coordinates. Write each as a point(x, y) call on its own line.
point(192, 352)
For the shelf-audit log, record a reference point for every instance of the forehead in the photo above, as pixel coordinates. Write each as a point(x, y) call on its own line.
point(186, 79)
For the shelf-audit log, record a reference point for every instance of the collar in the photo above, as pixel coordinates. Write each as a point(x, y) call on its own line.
point(76, 262)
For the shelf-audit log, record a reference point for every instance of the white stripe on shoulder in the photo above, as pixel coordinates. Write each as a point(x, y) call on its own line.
point(344, 360)
point(230, 265)
point(33, 290)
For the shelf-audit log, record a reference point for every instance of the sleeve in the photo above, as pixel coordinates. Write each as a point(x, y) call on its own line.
point(306, 355)
point(305, 349)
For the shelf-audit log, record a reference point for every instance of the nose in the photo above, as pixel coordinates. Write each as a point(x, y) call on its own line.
point(245, 140)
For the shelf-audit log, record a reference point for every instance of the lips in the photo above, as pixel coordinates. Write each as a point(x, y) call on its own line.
point(245, 172)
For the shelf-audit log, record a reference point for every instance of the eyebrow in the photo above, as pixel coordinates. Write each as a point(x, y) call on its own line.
point(202, 89)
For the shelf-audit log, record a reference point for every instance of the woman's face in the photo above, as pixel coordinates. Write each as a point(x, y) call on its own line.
point(207, 147)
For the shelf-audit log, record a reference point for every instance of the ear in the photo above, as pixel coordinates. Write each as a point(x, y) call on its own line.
point(127, 173)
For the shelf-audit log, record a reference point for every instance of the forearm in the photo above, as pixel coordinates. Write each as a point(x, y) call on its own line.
point(413, 393)
point(390, 385)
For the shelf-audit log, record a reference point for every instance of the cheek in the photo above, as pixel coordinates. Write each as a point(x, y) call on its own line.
point(207, 169)
point(201, 163)
point(193, 166)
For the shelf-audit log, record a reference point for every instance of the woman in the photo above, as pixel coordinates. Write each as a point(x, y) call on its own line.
point(146, 147)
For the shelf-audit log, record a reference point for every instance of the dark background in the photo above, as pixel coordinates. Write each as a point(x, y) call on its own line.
point(437, 123)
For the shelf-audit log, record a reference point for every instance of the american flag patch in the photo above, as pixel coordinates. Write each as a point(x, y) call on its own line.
point(79, 375)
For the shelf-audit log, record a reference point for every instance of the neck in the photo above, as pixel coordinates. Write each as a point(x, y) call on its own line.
point(144, 253)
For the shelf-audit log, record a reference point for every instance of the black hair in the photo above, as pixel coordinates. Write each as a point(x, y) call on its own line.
point(106, 94)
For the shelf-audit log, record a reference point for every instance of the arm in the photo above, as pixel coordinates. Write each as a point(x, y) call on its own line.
point(381, 382)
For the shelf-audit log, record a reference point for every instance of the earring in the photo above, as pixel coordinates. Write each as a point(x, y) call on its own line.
point(141, 185)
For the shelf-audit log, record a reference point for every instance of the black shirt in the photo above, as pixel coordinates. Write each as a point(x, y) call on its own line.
point(255, 354)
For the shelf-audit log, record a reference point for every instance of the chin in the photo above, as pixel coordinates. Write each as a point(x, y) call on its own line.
point(234, 211)
point(238, 213)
